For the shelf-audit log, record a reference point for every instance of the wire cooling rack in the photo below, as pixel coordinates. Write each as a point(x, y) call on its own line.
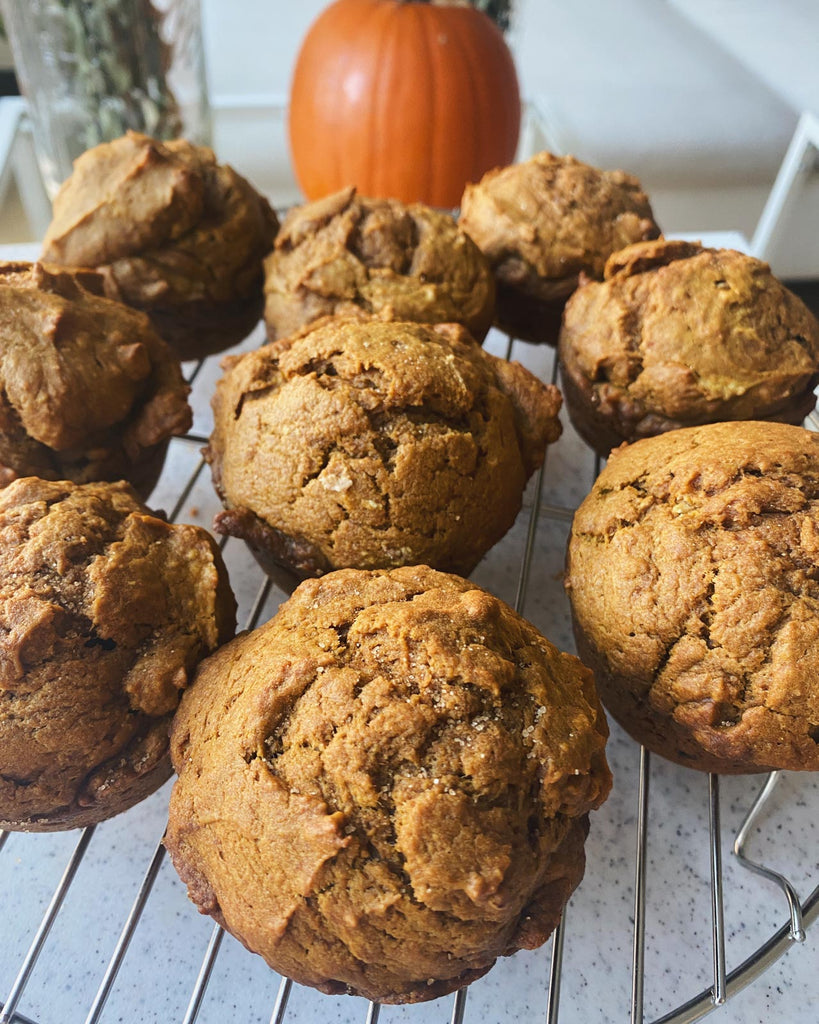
point(95, 926)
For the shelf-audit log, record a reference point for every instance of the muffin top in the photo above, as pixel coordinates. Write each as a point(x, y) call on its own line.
point(345, 252)
point(428, 755)
point(105, 609)
point(543, 222)
point(693, 584)
point(678, 334)
point(370, 443)
point(86, 384)
point(166, 222)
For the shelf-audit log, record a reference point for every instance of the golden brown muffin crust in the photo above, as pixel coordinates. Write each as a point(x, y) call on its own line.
point(692, 578)
point(551, 217)
point(123, 197)
point(174, 233)
point(345, 253)
point(387, 786)
point(541, 224)
point(88, 390)
point(369, 443)
point(105, 610)
point(679, 335)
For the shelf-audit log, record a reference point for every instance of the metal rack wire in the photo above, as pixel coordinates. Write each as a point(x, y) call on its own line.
point(258, 598)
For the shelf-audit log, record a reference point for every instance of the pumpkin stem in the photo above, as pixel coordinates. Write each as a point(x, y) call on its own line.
point(500, 11)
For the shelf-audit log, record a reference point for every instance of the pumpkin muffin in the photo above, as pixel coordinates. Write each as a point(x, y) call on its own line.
point(387, 786)
point(692, 580)
point(175, 234)
point(345, 253)
point(542, 224)
point(679, 335)
point(364, 443)
point(88, 389)
point(105, 610)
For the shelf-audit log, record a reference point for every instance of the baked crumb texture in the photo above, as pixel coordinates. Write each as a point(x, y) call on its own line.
point(387, 786)
point(105, 610)
point(372, 444)
point(542, 224)
point(174, 233)
point(88, 389)
point(346, 253)
point(678, 335)
point(692, 574)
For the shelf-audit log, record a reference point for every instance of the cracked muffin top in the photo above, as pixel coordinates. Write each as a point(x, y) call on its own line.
point(543, 222)
point(693, 584)
point(174, 232)
point(88, 389)
point(370, 443)
point(679, 335)
point(386, 786)
point(105, 610)
point(345, 253)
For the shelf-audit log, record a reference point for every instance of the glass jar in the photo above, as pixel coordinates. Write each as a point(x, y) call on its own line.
point(92, 70)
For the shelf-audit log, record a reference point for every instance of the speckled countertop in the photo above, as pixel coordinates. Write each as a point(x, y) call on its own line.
point(164, 957)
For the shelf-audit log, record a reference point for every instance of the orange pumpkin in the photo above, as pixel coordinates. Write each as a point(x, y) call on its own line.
point(402, 99)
